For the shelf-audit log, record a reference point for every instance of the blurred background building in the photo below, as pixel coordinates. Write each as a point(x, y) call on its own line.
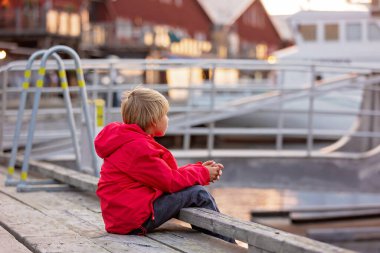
point(140, 28)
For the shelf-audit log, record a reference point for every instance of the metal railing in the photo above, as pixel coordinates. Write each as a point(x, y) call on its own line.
point(243, 100)
point(23, 184)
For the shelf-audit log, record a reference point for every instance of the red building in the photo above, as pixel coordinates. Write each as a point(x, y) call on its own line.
point(26, 25)
point(235, 28)
point(256, 30)
point(142, 26)
point(375, 8)
point(242, 28)
point(138, 28)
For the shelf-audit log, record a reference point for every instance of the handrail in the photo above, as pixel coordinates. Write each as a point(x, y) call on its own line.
point(82, 91)
point(245, 105)
point(237, 63)
point(64, 84)
point(22, 103)
point(348, 77)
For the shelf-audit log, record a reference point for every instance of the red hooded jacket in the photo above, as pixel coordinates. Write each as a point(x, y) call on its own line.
point(136, 171)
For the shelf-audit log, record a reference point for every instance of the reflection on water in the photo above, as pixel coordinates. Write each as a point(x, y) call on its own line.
point(239, 202)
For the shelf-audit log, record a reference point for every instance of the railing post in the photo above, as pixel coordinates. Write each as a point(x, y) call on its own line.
point(22, 103)
point(69, 109)
point(3, 109)
point(310, 127)
point(95, 84)
point(280, 121)
point(211, 126)
point(187, 136)
point(97, 110)
point(110, 92)
point(83, 93)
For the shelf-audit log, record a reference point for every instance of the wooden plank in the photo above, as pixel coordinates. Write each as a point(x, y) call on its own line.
point(67, 234)
point(257, 235)
point(71, 177)
point(81, 213)
point(344, 234)
point(284, 212)
point(74, 178)
point(333, 215)
point(9, 243)
point(26, 223)
point(82, 221)
point(189, 240)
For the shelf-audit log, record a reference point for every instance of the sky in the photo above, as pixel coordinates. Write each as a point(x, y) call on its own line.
point(288, 7)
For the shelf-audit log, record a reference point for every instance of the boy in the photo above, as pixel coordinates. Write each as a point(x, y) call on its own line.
point(140, 186)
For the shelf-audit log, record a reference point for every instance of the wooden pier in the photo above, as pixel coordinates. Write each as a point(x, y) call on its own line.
point(70, 221)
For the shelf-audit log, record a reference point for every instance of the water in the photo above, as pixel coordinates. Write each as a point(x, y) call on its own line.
point(239, 202)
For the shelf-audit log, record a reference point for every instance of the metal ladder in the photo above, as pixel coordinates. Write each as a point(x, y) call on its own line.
point(23, 184)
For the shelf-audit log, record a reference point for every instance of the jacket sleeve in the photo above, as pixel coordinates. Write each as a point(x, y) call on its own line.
point(152, 170)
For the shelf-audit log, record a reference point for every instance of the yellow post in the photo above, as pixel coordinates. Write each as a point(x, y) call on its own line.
point(99, 113)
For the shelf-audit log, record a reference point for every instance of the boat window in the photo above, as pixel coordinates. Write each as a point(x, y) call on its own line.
point(354, 32)
point(308, 32)
point(331, 32)
point(373, 31)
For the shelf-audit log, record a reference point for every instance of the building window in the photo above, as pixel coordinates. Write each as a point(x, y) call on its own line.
point(354, 32)
point(124, 29)
point(331, 32)
point(52, 21)
point(373, 31)
point(308, 32)
point(178, 3)
point(63, 27)
point(74, 24)
point(261, 51)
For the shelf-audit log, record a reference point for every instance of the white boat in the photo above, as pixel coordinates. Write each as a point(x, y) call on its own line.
point(331, 40)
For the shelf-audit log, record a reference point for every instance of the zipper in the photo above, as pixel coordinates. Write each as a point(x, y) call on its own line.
point(151, 206)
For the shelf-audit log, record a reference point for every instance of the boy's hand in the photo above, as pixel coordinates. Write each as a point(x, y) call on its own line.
point(215, 170)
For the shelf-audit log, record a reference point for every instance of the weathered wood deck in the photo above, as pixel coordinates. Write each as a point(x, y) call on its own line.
point(70, 221)
point(10, 244)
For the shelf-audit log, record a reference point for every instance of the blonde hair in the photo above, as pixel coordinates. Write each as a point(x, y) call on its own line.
point(143, 106)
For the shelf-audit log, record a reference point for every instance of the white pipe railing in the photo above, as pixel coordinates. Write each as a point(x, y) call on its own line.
point(356, 78)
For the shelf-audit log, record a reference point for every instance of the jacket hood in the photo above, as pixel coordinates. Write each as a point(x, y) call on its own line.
point(114, 135)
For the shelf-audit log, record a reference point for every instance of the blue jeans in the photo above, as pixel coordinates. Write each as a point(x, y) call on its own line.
point(168, 206)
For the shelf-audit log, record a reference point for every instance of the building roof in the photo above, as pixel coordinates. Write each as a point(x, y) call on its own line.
point(307, 16)
point(224, 12)
point(281, 24)
point(336, 5)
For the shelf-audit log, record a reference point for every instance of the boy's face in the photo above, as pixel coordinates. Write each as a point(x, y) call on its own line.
point(161, 126)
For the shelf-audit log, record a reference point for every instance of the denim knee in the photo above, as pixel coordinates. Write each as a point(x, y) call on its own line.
point(199, 188)
point(201, 194)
